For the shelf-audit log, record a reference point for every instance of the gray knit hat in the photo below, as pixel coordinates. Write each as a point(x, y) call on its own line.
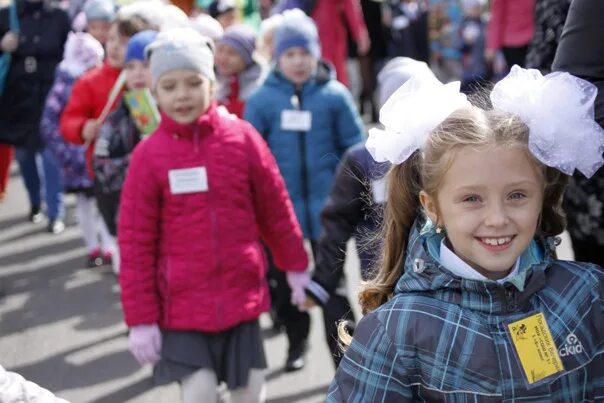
point(99, 10)
point(180, 48)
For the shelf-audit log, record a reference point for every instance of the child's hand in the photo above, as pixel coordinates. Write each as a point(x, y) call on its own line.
point(297, 282)
point(363, 45)
point(90, 130)
point(10, 42)
point(144, 343)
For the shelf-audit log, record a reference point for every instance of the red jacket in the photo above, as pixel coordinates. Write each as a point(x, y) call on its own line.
point(87, 100)
point(333, 18)
point(195, 261)
point(511, 24)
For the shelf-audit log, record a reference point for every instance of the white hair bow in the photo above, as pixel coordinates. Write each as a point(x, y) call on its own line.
point(559, 110)
point(410, 114)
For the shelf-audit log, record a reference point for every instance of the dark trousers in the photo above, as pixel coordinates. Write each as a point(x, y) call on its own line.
point(515, 55)
point(588, 252)
point(296, 323)
point(40, 167)
point(108, 204)
point(336, 310)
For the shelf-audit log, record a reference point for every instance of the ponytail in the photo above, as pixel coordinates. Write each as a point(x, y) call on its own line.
point(402, 206)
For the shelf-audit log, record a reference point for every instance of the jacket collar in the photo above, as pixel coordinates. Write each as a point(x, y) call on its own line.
point(110, 70)
point(203, 125)
point(423, 273)
point(323, 74)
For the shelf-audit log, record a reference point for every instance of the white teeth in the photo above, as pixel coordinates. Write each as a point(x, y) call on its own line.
point(497, 241)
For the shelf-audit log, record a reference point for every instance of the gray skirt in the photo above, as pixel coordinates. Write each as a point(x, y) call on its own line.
point(231, 354)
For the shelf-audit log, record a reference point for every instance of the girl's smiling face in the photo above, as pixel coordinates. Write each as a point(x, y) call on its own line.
point(489, 203)
point(183, 95)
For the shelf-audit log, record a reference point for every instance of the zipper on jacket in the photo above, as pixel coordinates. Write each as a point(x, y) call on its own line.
point(302, 143)
point(196, 139)
point(214, 231)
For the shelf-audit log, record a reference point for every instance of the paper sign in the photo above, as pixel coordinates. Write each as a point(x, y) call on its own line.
point(535, 347)
point(143, 110)
point(378, 190)
point(190, 180)
point(298, 121)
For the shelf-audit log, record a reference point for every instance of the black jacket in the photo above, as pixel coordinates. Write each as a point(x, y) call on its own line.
point(43, 32)
point(352, 209)
point(581, 53)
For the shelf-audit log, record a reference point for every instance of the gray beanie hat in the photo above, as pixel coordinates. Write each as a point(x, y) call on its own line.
point(180, 48)
point(99, 10)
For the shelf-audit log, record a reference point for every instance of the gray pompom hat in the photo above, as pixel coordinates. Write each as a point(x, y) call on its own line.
point(180, 49)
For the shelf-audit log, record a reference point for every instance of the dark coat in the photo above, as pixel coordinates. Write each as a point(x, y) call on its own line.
point(352, 209)
point(43, 32)
point(581, 53)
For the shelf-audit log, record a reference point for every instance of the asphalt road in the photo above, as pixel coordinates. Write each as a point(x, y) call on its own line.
point(61, 324)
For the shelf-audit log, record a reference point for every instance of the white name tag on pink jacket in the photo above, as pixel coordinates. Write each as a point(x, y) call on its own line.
point(189, 180)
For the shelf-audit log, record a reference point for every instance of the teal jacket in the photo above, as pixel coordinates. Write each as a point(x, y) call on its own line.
point(307, 159)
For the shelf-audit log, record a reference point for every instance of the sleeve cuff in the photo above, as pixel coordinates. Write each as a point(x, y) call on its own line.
point(317, 292)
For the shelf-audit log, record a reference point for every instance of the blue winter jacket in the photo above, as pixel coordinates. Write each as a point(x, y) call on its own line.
point(442, 338)
point(307, 160)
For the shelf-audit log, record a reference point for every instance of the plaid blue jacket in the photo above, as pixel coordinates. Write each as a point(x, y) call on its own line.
point(442, 338)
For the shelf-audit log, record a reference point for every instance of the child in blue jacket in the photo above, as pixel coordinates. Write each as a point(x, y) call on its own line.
point(308, 120)
point(470, 302)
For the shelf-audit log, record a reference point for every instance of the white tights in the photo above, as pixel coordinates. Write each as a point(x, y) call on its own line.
point(202, 386)
point(92, 224)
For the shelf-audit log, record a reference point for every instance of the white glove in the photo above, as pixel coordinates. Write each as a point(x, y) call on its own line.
point(297, 282)
point(144, 343)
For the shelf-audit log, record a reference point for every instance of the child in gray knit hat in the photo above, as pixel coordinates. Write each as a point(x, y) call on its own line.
point(99, 14)
point(200, 194)
point(240, 69)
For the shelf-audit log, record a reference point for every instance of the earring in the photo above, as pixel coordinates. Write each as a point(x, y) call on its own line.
point(439, 230)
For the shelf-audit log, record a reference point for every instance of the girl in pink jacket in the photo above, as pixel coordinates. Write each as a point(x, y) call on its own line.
point(510, 30)
point(202, 194)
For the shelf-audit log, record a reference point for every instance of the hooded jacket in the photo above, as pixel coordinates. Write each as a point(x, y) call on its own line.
point(442, 338)
point(307, 160)
point(194, 260)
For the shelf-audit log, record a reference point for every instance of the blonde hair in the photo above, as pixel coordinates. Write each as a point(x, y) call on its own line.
point(424, 170)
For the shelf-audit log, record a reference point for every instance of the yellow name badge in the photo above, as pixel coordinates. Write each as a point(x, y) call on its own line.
point(535, 347)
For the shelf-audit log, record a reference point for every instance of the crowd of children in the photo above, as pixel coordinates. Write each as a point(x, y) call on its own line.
point(203, 155)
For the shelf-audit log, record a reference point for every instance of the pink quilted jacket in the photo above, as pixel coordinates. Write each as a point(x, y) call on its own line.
point(195, 261)
point(511, 24)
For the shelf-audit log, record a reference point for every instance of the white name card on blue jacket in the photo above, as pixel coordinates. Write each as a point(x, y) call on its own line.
point(188, 180)
point(298, 121)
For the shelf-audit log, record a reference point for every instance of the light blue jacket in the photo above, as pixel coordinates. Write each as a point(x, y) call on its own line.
point(307, 160)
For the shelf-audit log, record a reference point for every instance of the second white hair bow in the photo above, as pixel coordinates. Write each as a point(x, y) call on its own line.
point(559, 110)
